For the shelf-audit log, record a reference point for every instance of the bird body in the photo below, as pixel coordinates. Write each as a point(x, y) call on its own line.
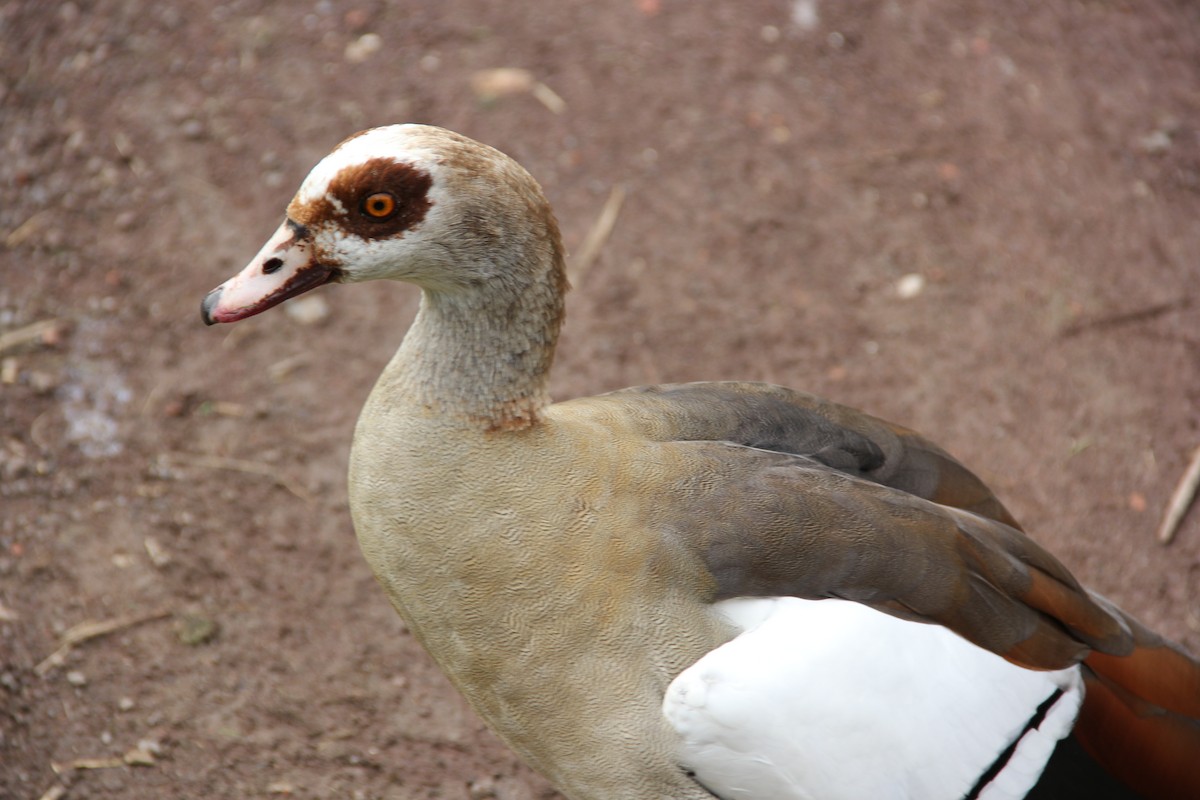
point(573, 632)
point(691, 590)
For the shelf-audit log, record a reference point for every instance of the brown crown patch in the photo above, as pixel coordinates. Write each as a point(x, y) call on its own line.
point(353, 185)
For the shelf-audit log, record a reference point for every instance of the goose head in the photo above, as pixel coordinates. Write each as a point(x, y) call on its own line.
point(405, 202)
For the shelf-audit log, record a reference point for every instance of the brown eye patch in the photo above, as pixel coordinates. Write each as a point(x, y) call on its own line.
point(377, 199)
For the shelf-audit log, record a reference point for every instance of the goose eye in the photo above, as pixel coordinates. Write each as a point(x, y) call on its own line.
point(379, 205)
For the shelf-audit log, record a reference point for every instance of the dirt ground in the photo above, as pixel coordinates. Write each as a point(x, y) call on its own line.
point(981, 220)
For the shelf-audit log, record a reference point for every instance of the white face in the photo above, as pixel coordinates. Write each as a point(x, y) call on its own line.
point(373, 208)
point(366, 206)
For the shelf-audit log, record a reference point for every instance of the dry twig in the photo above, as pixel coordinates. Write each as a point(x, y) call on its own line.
point(598, 235)
point(1181, 499)
point(90, 630)
point(27, 229)
point(86, 763)
point(55, 792)
point(549, 98)
point(139, 756)
point(240, 465)
point(26, 335)
point(1126, 317)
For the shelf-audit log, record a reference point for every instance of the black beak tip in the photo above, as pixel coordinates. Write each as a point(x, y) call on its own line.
point(207, 304)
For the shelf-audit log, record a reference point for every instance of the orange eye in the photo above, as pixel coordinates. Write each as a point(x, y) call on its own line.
point(379, 205)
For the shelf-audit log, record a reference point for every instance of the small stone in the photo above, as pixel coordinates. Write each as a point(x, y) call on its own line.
point(192, 129)
point(1156, 142)
point(910, 286)
point(125, 704)
point(159, 557)
point(76, 678)
point(482, 789)
point(805, 15)
point(75, 141)
point(363, 48)
point(43, 382)
point(308, 310)
point(151, 746)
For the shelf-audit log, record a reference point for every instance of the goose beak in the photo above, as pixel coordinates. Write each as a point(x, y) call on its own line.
point(285, 267)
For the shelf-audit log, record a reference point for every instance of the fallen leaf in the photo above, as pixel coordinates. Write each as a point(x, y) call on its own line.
point(194, 629)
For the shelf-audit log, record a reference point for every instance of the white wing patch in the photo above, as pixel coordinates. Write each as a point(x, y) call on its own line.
point(831, 700)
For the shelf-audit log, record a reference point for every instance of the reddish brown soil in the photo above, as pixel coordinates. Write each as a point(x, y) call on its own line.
point(1038, 167)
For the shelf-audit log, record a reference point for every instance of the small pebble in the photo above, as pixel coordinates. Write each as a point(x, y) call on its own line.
point(363, 48)
point(1156, 142)
point(308, 310)
point(151, 746)
point(482, 789)
point(805, 15)
point(76, 678)
point(192, 129)
point(910, 286)
point(159, 557)
point(43, 382)
point(356, 19)
point(125, 704)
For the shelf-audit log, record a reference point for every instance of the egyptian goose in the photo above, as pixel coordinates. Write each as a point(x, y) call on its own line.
point(712, 589)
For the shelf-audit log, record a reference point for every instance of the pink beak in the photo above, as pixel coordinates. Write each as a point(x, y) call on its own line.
point(283, 268)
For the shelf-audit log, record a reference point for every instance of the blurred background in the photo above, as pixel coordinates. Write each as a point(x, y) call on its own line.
point(977, 219)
